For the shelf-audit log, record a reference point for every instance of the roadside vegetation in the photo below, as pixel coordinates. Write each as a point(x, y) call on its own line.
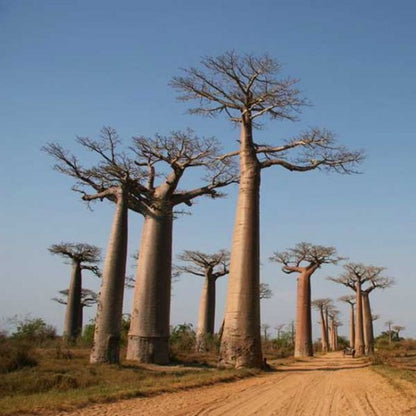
point(39, 373)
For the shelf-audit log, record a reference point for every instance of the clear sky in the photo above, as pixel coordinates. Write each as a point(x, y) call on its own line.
point(69, 67)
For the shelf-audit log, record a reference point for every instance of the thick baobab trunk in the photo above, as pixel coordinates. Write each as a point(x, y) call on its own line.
point(149, 329)
point(241, 340)
point(368, 325)
point(206, 317)
point(359, 329)
point(324, 332)
point(303, 338)
point(327, 328)
point(352, 326)
point(332, 343)
point(80, 317)
point(106, 348)
point(71, 324)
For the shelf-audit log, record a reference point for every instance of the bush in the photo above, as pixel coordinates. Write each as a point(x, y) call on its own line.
point(33, 330)
point(182, 339)
point(16, 354)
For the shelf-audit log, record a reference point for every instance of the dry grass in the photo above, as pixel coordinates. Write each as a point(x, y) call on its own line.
point(65, 380)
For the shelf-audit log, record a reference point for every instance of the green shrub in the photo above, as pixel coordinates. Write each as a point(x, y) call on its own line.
point(182, 339)
point(33, 330)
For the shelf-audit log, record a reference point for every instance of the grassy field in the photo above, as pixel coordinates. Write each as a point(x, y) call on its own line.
point(65, 380)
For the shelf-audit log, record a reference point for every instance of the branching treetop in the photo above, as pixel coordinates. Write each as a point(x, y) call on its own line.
point(88, 297)
point(305, 257)
point(134, 172)
point(80, 252)
point(240, 85)
point(321, 303)
point(265, 291)
point(246, 87)
point(358, 273)
point(350, 299)
point(202, 264)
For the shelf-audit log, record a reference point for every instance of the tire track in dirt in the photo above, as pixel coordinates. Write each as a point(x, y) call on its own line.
point(324, 386)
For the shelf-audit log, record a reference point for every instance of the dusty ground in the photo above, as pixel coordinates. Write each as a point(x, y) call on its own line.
point(327, 386)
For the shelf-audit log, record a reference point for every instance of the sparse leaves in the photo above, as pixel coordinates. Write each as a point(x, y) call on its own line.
point(203, 264)
point(305, 256)
point(82, 252)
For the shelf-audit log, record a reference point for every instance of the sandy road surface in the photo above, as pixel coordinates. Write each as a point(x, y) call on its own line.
point(327, 386)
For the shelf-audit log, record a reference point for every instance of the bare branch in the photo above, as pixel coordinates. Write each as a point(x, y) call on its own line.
point(80, 252)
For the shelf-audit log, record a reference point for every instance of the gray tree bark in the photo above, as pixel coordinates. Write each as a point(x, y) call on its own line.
point(206, 317)
point(149, 329)
point(71, 323)
point(303, 338)
point(352, 326)
point(324, 332)
point(241, 339)
point(106, 347)
point(359, 326)
point(367, 324)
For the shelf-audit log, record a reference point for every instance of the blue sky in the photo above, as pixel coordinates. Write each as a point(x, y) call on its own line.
point(70, 67)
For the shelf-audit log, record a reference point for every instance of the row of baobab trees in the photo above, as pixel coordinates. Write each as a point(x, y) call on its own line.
point(146, 178)
point(358, 277)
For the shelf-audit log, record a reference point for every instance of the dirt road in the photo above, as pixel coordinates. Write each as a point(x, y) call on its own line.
point(328, 386)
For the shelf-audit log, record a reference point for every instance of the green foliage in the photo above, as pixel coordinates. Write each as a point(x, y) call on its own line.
point(33, 330)
point(87, 338)
point(182, 339)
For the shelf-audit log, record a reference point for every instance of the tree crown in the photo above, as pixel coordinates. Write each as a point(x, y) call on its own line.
point(81, 252)
point(304, 257)
point(134, 171)
point(203, 264)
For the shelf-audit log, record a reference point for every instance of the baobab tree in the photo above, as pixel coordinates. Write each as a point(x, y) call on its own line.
point(210, 267)
point(82, 256)
point(246, 88)
point(333, 324)
point(88, 299)
point(114, 177)
point(389, 324)
point(166, 159)
point(265, 291)
point(279, 329)
point(128, 180)
point(322, 305)
point(304, 259)
point(356, 275)
point(398, 329)
point(350, 299)
point(375, 281)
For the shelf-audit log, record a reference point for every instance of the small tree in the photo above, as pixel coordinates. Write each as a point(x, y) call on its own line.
point(210, 267)
point(322, 306)
point(350, 299)
point(398, 329)
point(389, 324)
point(246, 88)
point(304, 259)
point(82, 256)
point(88, 299)
point(265, 291)
point(356, 275)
